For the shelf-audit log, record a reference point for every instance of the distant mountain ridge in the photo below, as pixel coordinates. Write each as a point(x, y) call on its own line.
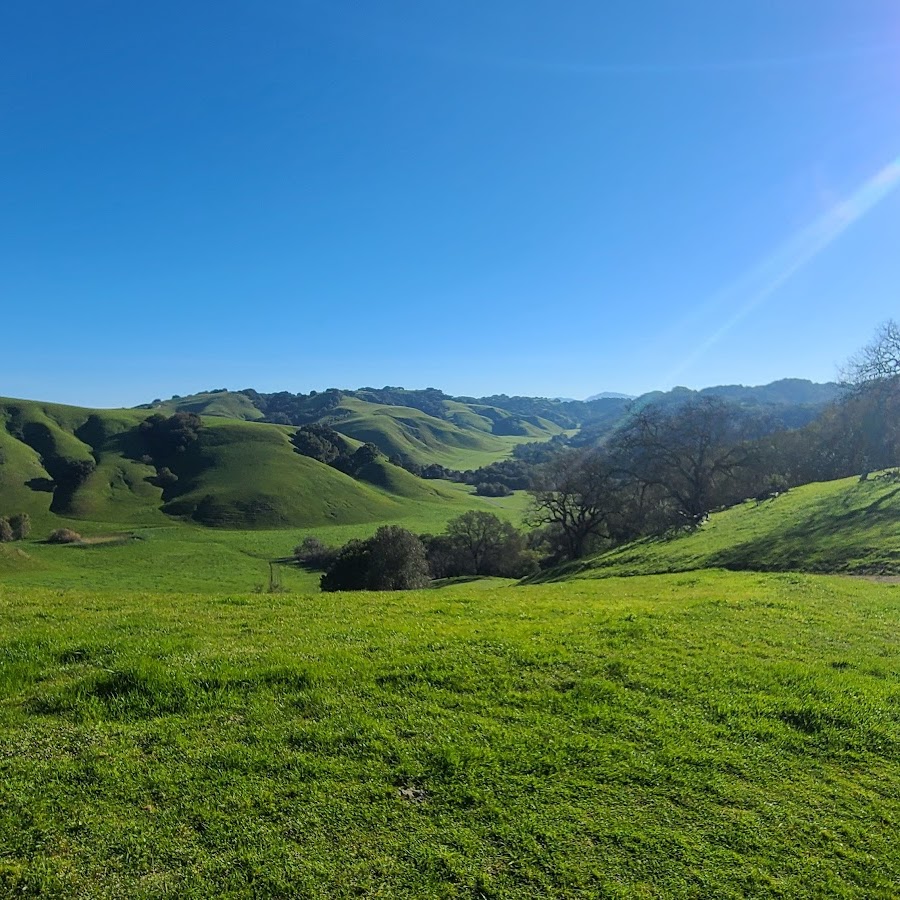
point(416, 423)
point(784, 392)
point(610, 395)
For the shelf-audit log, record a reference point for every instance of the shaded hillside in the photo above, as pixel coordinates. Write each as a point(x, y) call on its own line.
point(847, 526)
point(786, 404)
point(60, 460)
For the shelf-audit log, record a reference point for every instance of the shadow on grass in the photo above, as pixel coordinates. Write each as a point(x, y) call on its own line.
point(816, 545)
point(151, 689)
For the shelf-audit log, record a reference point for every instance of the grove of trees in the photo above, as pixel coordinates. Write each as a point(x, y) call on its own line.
point(392, 560)
point(324, 444)
point(476, 543)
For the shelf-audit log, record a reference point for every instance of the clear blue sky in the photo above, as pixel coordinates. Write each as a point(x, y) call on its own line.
point(506, 196)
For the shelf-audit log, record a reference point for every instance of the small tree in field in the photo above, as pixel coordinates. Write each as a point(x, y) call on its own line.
point(392, 560)
point(6, 532)
point(397, 560)
point(690, 453)
point(486, 545)
point(575, 494)
point(311, 553)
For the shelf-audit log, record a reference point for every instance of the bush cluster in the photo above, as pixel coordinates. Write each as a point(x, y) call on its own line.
point(64, 536)
point(474, 544)
point(392, 560)
point(167, 438)
point(15, 528)
point(324, 444)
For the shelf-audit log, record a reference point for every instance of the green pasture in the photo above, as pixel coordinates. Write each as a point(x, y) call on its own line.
point(178, 556)
point(708, 734)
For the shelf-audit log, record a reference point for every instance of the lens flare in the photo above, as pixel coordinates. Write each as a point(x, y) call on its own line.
point(768, 276)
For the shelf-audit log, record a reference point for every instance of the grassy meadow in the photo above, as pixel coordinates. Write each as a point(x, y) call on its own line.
point(182, 557)
point(708, 734)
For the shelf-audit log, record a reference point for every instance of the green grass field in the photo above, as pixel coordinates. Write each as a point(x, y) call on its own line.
point(176, 556)
point(698, 735)
point(167, 731)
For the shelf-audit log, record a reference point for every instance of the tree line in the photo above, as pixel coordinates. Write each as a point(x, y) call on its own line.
point(668, 467)
point(476, 543)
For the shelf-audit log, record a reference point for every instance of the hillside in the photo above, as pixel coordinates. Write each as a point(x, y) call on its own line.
point(847, 526)
point(67, 463)
point(228, 404)
point(63, 463)
point(41, 445)
point(442, 430)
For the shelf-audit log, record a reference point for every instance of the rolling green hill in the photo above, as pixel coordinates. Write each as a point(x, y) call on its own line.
point(448, 432)
point(458, 443)
point(429, 426)
point(238, 474)
point(39, 442)
point(227, 404)
point(848, 526)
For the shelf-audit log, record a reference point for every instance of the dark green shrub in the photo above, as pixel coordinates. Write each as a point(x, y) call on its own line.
point(393, 560)
point(64, 536)
point(21, 526)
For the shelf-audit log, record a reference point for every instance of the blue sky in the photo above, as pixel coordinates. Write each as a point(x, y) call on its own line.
point(522, 197)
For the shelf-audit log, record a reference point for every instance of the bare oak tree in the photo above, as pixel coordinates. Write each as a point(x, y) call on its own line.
point(688, 453)
point(576, 493)
point(878, 361)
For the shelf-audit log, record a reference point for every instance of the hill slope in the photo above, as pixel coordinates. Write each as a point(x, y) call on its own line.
point(431, 429)
point(429, 426)
point(61, 463)
point(41, 443)
point(844, 526)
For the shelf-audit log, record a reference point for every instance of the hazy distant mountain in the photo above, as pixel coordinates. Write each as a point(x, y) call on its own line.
point(610, 395)
point(788, 403)
point(792, 392)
